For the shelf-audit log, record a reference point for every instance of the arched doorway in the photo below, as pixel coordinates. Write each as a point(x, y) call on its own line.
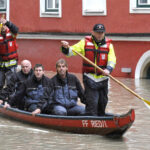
point(143, 66)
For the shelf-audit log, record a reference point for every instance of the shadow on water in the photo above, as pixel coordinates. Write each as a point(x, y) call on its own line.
point(19, 136)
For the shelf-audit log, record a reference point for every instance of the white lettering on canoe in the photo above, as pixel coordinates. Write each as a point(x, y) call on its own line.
point(99, 124)
point(85, 123)
point(95, 123)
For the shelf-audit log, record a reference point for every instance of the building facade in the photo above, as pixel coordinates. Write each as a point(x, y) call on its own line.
point(44, 23)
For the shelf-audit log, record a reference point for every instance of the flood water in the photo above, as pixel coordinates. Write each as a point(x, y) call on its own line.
point(17, 136)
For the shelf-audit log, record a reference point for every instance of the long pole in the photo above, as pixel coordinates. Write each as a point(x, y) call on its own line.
point(120, 83)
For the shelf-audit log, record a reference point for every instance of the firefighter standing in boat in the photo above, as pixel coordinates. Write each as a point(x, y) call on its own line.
point(8, 50)
point(100, 51)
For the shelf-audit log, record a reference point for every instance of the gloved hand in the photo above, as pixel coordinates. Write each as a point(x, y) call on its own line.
point(65, 50)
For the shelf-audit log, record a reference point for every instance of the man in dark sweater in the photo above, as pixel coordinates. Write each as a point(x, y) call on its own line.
point(67, 89)
point(14, 83)
point(32, 91)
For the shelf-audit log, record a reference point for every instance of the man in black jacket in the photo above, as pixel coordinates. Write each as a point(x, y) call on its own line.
point(32, 91)
point(13, 85)
point(67, 89)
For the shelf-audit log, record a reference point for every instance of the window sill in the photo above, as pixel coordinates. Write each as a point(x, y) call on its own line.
point(50, 14)
point(140, 10)
point(94, 13)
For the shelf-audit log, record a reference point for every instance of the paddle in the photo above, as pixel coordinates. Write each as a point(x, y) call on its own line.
point(147, 103)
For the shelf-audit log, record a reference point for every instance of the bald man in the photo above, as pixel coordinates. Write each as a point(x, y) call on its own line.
point(15, 82)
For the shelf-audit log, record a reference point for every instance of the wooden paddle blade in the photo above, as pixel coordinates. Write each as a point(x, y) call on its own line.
point(147, 102)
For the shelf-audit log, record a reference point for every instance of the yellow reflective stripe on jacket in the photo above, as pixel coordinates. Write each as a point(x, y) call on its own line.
point(111, 57)
point(8, 63)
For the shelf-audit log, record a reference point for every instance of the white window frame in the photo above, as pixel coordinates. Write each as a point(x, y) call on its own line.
point(136, 10)
point(97, 11)
point(3, 9)
point(144, 4)
point(44, 13)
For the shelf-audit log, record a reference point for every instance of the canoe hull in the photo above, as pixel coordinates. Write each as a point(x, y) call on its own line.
point(115, 125)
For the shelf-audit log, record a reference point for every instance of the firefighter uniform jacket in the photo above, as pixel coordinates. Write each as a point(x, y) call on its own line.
point(102, 55)
point(8, 46)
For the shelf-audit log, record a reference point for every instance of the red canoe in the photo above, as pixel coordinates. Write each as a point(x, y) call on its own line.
point(110, 125)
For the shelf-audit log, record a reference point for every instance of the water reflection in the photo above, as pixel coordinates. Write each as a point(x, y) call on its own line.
point(26, 137)
point(18, 136)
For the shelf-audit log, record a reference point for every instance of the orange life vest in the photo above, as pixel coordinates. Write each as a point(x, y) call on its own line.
point(99, 55)
point(8, 47)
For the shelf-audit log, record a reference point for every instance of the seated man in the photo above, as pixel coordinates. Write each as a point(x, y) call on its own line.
point(14, 83)
point(67, 89)
point(32, 91)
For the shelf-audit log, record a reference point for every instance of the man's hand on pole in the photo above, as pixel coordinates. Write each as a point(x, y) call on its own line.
point(106, 72)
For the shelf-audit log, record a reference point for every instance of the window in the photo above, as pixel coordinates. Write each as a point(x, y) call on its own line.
point(93, 7)
point(139, 6)
point(50, 8)
point(51, 5)
point(143, 3)
point(3, 5)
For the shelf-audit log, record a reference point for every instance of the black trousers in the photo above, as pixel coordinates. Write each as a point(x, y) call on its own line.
point(96, 94)
point(5, 74)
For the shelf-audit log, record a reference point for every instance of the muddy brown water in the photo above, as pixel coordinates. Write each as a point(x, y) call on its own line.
point(17, 136)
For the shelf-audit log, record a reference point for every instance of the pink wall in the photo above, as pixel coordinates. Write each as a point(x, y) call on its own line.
point(128, 55)
point(48, 52)
point(25, 13)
